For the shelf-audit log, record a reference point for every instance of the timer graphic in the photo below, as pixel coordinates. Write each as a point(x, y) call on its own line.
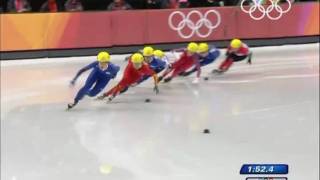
point(264, 169)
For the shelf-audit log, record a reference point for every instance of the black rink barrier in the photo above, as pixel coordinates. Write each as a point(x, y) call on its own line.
point(130, 49)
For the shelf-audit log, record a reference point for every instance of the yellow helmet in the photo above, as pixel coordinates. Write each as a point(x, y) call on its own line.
point(203, 47)
point(137, 58)
point(236, 43)
point(103, 57)
point(158, 53)
point(193, 47)
point(148, 51)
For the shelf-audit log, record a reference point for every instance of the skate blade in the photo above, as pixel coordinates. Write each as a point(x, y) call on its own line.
point(216, 72)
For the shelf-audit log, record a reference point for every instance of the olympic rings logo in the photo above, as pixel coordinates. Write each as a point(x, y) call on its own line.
point(195, 27)
point(265, 12)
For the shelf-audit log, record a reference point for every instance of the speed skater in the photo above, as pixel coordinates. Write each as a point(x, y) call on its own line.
point(188, 59)
point(156, 60)
point(237, 51)
point(135, 70)
point(102, 72)
point(207, 55)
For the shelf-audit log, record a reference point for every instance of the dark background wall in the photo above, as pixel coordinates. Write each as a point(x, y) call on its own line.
point(89, 5)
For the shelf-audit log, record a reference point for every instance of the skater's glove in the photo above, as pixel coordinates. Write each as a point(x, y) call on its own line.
point(156, 89)
point(196, 80)
point(72, 83)
point(249, 59)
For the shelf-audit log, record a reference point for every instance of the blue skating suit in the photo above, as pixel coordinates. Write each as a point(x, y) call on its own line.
point(213, 54)
point(97, 79)
point(157, 65)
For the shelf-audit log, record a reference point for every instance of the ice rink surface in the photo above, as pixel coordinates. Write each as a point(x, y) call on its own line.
point(263, 113)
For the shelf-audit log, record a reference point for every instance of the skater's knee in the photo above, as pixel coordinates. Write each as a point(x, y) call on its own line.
point(86, 87)
point(94, 93)
point(217, 54)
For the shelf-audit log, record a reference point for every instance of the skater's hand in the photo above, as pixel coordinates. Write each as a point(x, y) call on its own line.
point(196, 80)
point(156, 89)
point(72, 83)
point(249, 58)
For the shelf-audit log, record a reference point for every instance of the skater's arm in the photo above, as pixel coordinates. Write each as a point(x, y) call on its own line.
point(206, 61)
point(212, 56)
point(116, 70)
point(166, 60)
point(150, 72)
point(161, 64)
point(84, 69)
point(190, 72)
point(249, 58)
point(156, 81)
point(198, 67)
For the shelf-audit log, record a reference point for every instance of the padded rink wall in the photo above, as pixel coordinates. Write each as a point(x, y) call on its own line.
point(48, 32)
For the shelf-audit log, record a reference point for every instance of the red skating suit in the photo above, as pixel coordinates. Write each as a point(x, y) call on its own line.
point(131, 76)
point(242, 51)
point(184, 63)
point(234, 56)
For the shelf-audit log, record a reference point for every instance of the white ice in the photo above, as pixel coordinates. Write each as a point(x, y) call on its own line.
point(263, 113)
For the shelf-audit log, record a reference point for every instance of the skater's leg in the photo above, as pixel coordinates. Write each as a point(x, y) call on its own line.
point(226, 64)
point(85, 89)
point(189, 72)
point(249, 58)
point(111, 91)
point(236, 58)
point(144, 78)
point(175, 73)
point(99, 86)
point(181, 69)
point(159, 70)
point(124, 90)
point(121, 87)
point(168, 71)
